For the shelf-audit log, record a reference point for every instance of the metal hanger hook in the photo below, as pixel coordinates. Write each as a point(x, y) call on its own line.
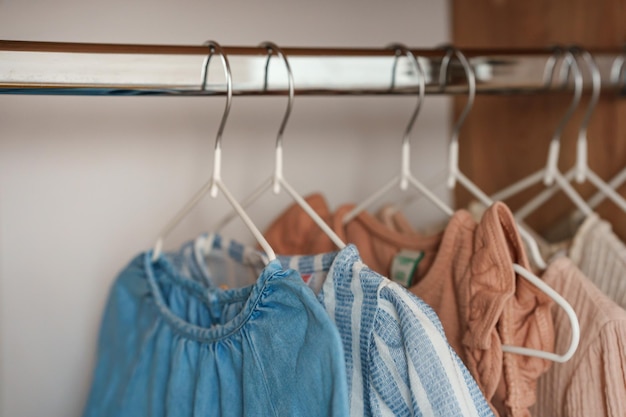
point(272, 49)
point(453, 161)
point(214, 48)
point(596, 83)
point(400, 50)
point(569, 65)
point(618, 71)
point(548, 71)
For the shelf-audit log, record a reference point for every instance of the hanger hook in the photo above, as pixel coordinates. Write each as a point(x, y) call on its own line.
point(400, 50)
point(273, 48)
point(618, 70)
point(215, 47)
point(569, 66)
point(596, 83)
point(471, 96)
point(548, 71)
point(278, 167)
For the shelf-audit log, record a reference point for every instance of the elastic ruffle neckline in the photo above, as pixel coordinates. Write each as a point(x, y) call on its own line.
point(163, 270)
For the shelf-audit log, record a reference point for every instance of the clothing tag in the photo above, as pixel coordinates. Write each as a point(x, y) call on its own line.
point(403, 266)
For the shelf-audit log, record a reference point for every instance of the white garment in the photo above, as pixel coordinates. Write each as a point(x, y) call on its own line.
point(601, 256)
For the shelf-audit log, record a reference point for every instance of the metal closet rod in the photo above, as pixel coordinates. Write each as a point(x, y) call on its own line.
point(55, 68)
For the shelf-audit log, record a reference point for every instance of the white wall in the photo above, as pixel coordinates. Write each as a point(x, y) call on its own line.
point(87, 182)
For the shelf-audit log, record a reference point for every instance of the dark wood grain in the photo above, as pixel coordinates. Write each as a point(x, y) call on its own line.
point(506, 137)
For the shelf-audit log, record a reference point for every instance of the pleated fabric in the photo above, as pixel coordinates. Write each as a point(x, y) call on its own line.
point(601, 256)
point(593, 381)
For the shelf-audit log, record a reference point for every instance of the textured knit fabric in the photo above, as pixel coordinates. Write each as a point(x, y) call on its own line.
point(397, 358)
point(593, 381)
point(601, 256)
point(466, 275)
point(556, 245)
point(170, 347)
point(483, 304)
point(592, 245)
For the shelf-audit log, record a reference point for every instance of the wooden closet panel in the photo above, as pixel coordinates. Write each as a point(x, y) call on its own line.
point(506, 138)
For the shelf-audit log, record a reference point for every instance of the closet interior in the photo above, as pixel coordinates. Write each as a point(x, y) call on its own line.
point(507, 299)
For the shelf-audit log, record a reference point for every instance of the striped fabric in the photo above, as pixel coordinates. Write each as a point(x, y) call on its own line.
point(217, 261)
point(398, 360)
point(593, 382)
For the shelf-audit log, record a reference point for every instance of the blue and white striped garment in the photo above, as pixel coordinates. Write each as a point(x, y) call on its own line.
point(217, 261)
point(398, 360)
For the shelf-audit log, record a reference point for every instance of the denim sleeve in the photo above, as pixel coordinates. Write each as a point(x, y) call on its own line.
point(122, 316)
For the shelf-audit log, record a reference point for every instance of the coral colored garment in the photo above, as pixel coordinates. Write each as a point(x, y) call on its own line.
point(593, 381)
point(593, 247)
point(466, 275)
point(295, 233)
point(483, 304)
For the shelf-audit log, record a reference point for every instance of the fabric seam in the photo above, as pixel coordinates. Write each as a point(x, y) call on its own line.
point(261, 369)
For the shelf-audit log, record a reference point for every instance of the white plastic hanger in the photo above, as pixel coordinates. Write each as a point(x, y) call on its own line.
point(456, 175)
point(536, 177)
point(277, 179)
point(405, 177)
point(581, 170)
point(618, 78)
point(215, 183)
point(551, 174)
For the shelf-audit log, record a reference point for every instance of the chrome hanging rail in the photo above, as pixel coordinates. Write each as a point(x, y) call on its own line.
point(115, 69)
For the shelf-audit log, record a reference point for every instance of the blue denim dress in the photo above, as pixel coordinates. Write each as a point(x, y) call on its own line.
point(168, 346)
